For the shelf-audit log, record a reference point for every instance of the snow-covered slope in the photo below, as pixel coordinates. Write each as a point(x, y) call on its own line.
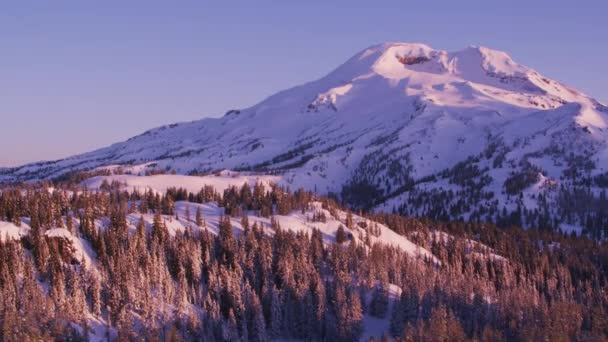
point(394, 120)
point(160, 183)
point(77, 247)
point(295, 221)
point(10, 231)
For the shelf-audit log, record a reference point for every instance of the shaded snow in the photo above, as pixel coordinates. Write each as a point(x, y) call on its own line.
point(82, 248)
point(376, 327)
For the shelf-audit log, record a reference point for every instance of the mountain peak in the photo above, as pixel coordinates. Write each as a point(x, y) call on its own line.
point(399, 61)
point(392, 118)
point(472, 74)
point(396, 55)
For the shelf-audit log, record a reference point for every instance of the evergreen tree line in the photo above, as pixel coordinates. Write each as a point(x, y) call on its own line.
point(259, 286)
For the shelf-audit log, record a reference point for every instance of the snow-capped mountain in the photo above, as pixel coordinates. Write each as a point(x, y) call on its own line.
point(464, 134)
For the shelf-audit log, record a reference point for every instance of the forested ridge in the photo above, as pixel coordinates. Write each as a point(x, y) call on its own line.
point(263, 283)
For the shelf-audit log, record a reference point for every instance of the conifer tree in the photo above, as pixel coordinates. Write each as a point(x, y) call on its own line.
point(379, 301)
point(227, 243)
point(199, 217)
point(245, 221)
point(340, 235)
point(188, 213)
point(69, 223)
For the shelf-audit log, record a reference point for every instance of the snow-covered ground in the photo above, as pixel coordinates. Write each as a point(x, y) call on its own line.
point(160, 183)
point(10, 231)
point(374, 326)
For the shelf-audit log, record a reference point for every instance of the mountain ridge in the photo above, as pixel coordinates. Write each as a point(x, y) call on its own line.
point(394, 121)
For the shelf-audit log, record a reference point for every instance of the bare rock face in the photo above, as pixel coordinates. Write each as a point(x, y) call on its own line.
point(410, 60)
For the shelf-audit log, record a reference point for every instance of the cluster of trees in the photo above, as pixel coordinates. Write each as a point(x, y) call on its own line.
point(523, 285)
point(519, 181)
point(579, 199)
point(379, 175)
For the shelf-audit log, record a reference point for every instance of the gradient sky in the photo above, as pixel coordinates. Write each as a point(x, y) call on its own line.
point(78, 75)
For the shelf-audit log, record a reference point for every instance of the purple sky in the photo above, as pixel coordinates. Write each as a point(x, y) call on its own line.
point(75, 76)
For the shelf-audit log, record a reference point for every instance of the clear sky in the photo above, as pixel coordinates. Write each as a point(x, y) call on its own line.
point(78, 75)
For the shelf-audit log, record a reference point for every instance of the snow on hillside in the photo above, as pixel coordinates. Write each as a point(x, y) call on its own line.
point(160, 183)
point(473, 247)
point(184, 219)
point(375, 327)
point(211, 212)
point(9, 231)
point(295, 221)
point(394, 118)
point(82, 248)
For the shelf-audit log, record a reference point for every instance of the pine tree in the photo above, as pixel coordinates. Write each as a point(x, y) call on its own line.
point(245, 221)
point(69, 223)
point(349, 313)
point(227, 243)
point(276, 313)
point(188, 213)
point(199, 217)
point(443, 326)
point(349, 220)
point(94, 293)
point(159, 229)
point(230, 328)
point(340, 235)
point(143, 204)
point(379, 301)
